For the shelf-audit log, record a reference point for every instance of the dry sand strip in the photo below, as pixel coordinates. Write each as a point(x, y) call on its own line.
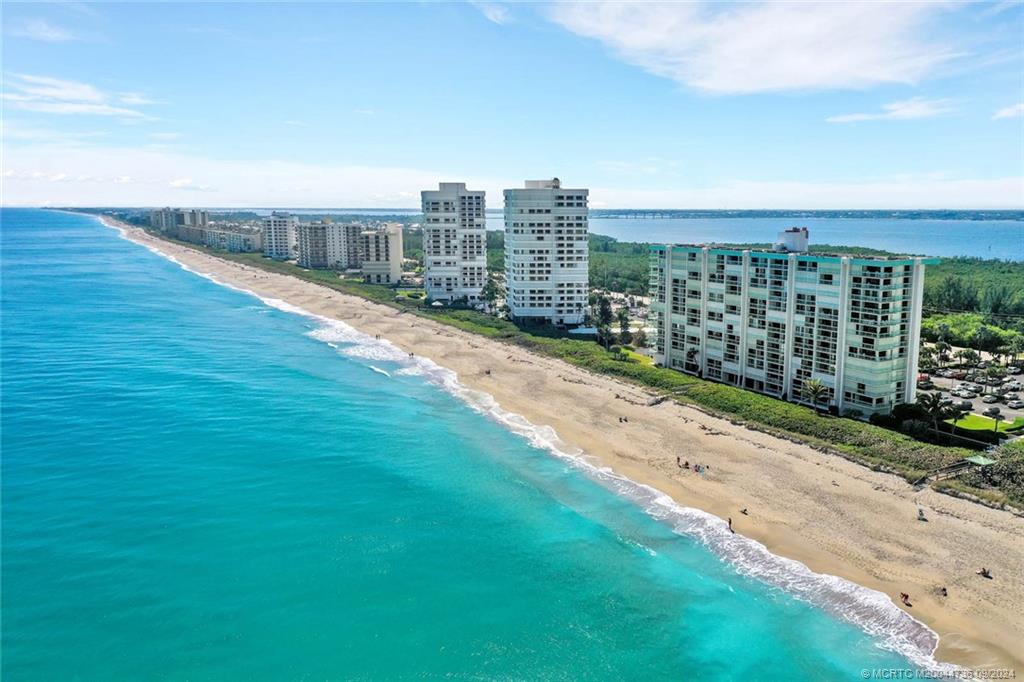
point(835, 516)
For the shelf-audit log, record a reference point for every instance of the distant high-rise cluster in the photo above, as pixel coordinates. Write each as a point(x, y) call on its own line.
point(193, 226)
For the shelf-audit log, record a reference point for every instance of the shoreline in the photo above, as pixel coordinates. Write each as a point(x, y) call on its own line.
point(834, 516)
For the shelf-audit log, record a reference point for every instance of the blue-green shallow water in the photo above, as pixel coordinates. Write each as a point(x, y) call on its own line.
point(197, 487)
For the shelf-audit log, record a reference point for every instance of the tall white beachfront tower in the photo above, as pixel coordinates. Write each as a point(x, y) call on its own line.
point(280, 236)
point(454, 242)
point(546, 252)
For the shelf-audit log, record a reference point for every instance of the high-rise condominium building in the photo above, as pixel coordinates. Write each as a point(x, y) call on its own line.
point(769, 321)
point(325, 244)
point(279, 236)
point(381, 251)
point(454, 242)
point(546, 252)
point(170, 219)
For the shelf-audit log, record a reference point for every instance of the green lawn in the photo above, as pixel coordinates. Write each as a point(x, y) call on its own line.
point(977, 422)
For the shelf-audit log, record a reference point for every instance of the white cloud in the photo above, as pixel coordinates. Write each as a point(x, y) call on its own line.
point(133, 99)
point(48, 95)
point(495, 12)
point(1012, 111)
point(164, 136)
point(365, 112)
point(37, 29)
point(732, 48)
point(905, 110)
point(123, 176)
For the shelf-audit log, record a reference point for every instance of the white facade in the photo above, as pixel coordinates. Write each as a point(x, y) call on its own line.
point(343, 247)
point(547, 252)
point(381, 251)
point(770, 321)
point(324, 244)
point(279, 236)
point(793, 240)
point(454, 242)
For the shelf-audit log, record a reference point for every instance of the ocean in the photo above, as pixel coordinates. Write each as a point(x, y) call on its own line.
point(202, 485)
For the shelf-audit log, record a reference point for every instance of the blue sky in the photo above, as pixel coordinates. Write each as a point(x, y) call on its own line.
point(742, 105)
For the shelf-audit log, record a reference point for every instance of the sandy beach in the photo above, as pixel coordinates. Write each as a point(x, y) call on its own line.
point(833, 515)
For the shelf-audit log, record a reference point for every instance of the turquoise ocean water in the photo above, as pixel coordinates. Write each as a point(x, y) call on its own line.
point(201, 486)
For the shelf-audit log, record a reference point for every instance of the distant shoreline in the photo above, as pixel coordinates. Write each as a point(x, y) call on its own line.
point(830, 514)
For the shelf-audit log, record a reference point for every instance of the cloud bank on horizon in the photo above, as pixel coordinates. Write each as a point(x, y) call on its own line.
point(653, 105)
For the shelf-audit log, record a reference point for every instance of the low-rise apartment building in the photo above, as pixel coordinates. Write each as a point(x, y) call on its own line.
point(769, 321)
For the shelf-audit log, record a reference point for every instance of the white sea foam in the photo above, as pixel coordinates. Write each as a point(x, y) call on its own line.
point(872, 611)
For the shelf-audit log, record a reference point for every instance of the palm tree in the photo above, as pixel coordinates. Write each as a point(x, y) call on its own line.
point(941, 348)
point(932, 405)
point(997, 417)
point(956, 414)
point(815, 391)
point(1016, 347)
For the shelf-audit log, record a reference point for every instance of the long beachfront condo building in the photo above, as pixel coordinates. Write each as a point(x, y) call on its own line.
point(769, 321)
point(279, 236)
point(325, 244)
point(454, 242)
point(546, 252)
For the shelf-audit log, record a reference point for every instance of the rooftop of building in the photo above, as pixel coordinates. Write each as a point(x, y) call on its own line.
point(820, 251)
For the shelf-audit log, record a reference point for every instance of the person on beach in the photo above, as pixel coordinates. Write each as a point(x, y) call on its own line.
point(984, 573)
point(686, 464)
point(730, 525)
point(744, 511)
point(943, 592)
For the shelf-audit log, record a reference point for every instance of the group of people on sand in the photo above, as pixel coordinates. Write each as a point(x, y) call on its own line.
point(983, 572)
point(623, 420)
point(697, 468)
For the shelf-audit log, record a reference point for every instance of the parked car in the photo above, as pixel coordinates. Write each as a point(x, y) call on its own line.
point(946, 401)
point(991, 411)
point(1015, 404)
point(925, 385)
point(1011, 396)
point(982, 365)
point(965, 405)
point(966, 394)
point(989, 399)
point(1012, 385)
point(1014, 370)
point(958, 374)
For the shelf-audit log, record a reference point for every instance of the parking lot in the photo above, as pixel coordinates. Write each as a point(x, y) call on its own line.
point(1015, 383)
